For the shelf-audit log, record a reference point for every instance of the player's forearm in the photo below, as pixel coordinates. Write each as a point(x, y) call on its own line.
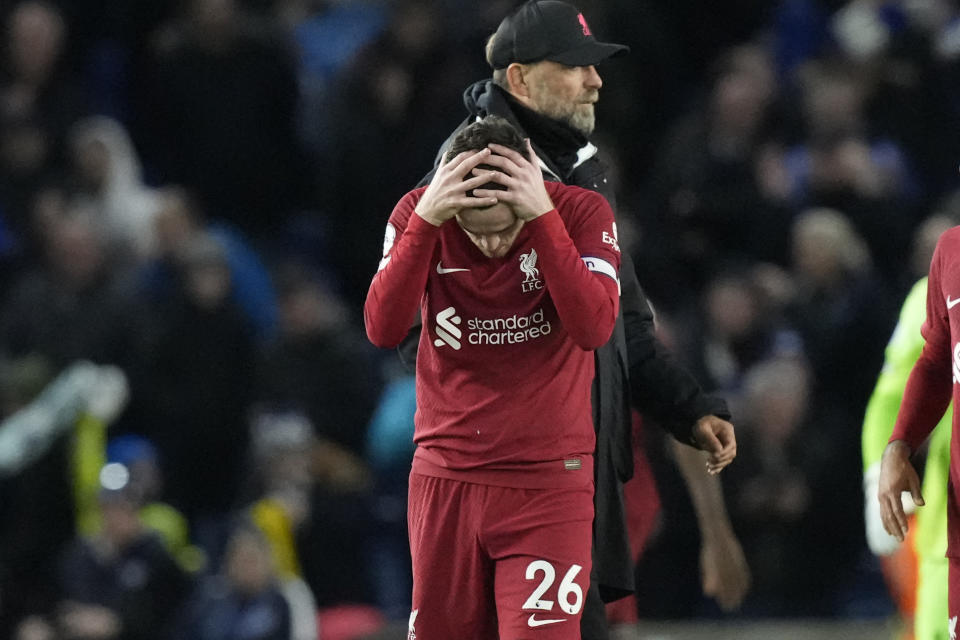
point(398, 287)
point(924, 401)
point(706, 494)
point(586, 301)
point(880, 415)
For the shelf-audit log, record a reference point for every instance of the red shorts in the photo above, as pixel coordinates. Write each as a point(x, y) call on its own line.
point(495, 562)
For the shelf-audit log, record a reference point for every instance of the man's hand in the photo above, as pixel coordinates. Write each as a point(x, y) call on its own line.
point(447, 193)
point(523, 179)
point(715, 436)
point(880, 542)
point(897, 476)
point(724, 573)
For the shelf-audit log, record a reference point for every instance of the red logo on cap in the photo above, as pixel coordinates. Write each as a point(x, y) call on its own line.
point(583, 23)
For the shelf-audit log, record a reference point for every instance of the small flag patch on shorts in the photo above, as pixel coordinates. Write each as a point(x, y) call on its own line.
point(572, 464)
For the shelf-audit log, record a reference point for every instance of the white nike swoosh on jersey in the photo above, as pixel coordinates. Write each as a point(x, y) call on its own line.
point(533, 622)
point(952, 303)
point(442, 271)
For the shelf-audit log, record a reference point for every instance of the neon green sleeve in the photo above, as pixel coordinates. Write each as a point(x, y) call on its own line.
point(89, 454)
point(901, 354)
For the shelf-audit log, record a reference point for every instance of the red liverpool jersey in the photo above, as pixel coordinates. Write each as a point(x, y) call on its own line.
point(936, 375)
point(505, 360)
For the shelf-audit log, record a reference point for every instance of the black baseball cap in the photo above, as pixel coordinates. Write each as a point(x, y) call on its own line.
point(548, 30)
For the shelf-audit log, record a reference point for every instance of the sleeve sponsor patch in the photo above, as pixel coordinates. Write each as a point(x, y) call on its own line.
point(599, 265)
point(389, 236)
point(612, 240)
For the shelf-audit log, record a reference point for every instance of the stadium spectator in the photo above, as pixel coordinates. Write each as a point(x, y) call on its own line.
point(711, 204)
point(39, 100)
point(905, 55)
point(394, 89)
point(222, 115)
point(842, 309)
point(321, 369)
point(122, 582)
point(198, 371)
point(243, 601)
point(841, 164)
point(320, 364)
point(75, 305)
point(107, 177)
point(178, 221)
point(281, 445)
point(777, 489)
point(328, 37)
point(142, 461)
point(731, 330)
point(40, 438)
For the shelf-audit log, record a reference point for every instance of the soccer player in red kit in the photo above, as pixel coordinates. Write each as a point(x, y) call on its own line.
point(932, 383)
point(516, 280)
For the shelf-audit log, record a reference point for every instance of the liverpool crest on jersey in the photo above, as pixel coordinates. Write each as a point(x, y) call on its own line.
point(531, 275)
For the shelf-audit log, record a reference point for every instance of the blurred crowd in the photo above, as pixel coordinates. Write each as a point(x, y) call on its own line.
point(197, 441)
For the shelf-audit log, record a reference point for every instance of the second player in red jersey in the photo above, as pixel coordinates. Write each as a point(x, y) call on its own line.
point(932, 384)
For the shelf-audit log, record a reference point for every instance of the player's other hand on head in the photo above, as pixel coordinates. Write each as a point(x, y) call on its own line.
point(522, 177)
point(897, 476)
point(447, 193)
point(715, 436)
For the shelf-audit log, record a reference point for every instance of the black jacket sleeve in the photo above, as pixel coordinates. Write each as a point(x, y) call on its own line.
point(408, 348)
point(659, 386)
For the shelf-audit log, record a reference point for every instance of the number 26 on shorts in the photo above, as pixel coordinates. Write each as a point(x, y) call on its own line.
point(569, 593)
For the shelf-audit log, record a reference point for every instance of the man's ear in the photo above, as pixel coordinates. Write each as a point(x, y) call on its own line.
point(517, 80)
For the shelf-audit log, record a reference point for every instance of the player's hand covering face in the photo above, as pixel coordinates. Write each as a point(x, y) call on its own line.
point(447, 193)
point(523, 180)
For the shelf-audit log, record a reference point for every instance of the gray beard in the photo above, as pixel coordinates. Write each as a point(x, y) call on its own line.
point(584, 123)
point(579, 117)
point(580, 120)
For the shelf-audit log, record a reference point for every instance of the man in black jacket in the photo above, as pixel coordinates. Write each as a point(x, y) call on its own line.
point(546, 84)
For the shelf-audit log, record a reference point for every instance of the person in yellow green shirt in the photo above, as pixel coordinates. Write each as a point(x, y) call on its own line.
point(927, 585)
